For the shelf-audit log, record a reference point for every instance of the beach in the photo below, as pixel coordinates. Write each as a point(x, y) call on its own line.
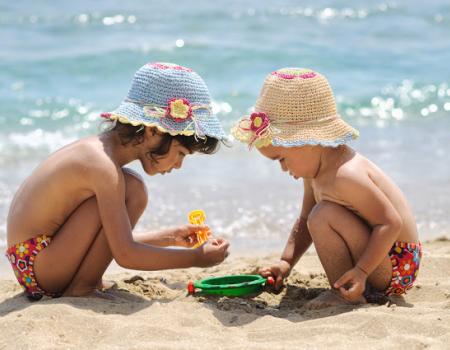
point(63, 64)
point(152, 310)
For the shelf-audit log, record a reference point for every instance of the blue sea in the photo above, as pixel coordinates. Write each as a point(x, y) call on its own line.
point(62, 63)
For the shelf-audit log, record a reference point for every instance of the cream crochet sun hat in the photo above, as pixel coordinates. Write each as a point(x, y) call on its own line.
point(296, 107)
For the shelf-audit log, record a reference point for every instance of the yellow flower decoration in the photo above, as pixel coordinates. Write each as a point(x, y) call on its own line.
point(179, 109)
point(254, 131)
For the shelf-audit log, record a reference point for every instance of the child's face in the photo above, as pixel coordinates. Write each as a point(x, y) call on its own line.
point(298, 161)
point(173, 159)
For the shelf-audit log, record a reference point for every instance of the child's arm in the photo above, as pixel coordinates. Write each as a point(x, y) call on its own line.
point(182, 236)
point(374, 206)
point(298, 242)
point(109, 188)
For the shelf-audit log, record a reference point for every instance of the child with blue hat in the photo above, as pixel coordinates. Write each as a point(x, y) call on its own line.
point(82, 203)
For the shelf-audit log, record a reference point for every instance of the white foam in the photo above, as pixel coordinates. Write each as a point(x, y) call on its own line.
point(39, 138)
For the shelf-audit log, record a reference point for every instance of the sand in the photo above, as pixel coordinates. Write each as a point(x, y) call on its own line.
point(152, 310)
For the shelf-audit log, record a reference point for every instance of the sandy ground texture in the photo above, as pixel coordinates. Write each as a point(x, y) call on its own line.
point(153, 311)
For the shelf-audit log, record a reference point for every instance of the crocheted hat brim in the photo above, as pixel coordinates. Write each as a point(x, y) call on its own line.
point(332, 132)
point(132, 113)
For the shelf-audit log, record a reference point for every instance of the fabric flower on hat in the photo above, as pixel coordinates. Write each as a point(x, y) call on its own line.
point(260, 122)
point(179, 109)
point(255, 130)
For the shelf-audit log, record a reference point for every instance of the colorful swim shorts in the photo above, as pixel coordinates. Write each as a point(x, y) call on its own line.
point(21, 256)
point(405, 259)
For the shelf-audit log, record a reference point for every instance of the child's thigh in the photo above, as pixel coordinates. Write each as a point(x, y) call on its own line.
point(354, 231)
point(56, 265)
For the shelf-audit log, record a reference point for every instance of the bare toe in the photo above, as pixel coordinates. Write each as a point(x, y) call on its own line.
point(106, 285)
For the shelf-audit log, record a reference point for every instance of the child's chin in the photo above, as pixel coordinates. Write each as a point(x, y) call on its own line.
point(151, 172)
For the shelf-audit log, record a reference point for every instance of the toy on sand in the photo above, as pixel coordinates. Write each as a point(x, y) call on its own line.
point(234, 285)
point(198, 217)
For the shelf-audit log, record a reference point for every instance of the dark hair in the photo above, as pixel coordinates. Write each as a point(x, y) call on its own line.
point(135, 135)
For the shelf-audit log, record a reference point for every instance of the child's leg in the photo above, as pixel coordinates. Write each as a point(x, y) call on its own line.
point(79, 253)
point(340, 238)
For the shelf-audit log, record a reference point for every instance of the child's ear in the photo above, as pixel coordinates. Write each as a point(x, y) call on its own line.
point(150, 131)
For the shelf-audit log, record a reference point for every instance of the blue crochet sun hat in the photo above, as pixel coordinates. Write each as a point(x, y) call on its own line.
point(172, 98)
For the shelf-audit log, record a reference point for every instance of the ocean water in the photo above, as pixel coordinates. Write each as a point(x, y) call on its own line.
point(62, 63)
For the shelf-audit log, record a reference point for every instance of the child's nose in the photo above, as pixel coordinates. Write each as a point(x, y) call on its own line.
point(283, 166)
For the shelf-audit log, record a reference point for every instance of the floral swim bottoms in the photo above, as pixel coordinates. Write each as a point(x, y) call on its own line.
point(405, 259)
point(21, 256)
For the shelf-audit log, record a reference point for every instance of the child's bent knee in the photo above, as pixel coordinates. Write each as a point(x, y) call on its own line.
point(320, 214)
point(136, 190)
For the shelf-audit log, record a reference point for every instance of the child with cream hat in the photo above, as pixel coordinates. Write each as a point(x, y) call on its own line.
point(358, 220)
point(76, 211)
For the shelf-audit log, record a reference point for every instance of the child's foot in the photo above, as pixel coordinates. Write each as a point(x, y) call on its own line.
point(105, 285)
point(88, 293)
point(101, 294)
point(330, 298)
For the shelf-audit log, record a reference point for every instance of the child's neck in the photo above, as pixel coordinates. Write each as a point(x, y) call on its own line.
point(120, 154)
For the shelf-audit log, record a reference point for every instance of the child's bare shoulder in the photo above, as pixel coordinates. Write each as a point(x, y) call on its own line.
point(89, 153)
point(356, 167)
point(87, 160)
point(353, 175)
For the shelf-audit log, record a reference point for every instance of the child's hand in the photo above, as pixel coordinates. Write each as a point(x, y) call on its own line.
point(352, 284)
point(185, 236)
point(213, 252)
point(278, 271)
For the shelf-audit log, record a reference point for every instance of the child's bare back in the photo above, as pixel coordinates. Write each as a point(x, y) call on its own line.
point(56, 188)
